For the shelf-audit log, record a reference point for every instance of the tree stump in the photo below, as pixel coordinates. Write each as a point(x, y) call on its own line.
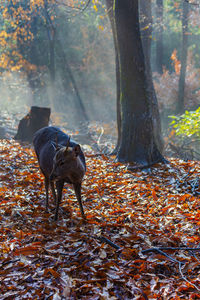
point(37, 118)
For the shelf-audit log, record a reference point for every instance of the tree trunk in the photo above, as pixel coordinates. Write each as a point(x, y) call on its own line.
point(159, 36)
point(181, 86)
point(51, 64)
point(146, 35)
point(32, 56)
point(139, 143)
point(82, 112)
point(51, 32)
point(36, 118)
point(109, 4)
point(146, 31)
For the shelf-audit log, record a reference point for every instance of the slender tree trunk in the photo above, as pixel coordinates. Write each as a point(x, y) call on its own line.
point(52, 55)
point(159, 36)
point(83, 116)
point(109, 4)
point(138, 142)
point(82, 113)
point(51, 32)
point(181, 86)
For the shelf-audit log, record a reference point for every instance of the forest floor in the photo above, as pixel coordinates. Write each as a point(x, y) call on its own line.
point(141, 239)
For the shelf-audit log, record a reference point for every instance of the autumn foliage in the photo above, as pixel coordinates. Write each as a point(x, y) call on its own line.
point(167, 85)
point(17, 32)
point(141, 238)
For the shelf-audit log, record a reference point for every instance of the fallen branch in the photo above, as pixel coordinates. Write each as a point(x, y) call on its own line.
point(107, 241)
point(184, 278)
point(162, 253)
point(180, 263)
point(170, 248)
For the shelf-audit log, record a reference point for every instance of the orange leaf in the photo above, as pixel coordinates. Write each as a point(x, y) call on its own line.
point(26, 250)
point(53, 272)
point(154, 195)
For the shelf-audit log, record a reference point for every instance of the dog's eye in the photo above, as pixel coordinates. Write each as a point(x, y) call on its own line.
point(61, 163)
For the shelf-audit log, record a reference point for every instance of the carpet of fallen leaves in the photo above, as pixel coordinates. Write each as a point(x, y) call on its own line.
point(141, 239)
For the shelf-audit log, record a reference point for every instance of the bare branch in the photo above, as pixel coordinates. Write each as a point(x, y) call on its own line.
point(162, 253)
point(184, 278)
point(80, 10)
point(171, 248)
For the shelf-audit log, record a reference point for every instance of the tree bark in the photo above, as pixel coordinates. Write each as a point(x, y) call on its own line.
point(146, 35)
point(181, 86)
point(36, 118)
point(159, 36)
point(146, 30)
point(139, 142)
point(109, 5)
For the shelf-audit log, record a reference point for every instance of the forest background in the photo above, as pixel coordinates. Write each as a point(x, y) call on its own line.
point(60, 54)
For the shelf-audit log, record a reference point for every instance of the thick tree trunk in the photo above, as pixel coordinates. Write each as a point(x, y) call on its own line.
point(159, 36)
point(146, 31)
point(37, 118)
point(146, 35)
point(139, 141)
point(109, 4)
point(181, 86)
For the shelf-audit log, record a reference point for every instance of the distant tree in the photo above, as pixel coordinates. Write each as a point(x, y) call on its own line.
point(184, 51)
point(23, 25)
point(30, 43)
point(159, 36)
point(141, 140)
point(51, 34)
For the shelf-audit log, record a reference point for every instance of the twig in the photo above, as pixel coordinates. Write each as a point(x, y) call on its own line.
point(162, 253)
point(190, 251)
point(80, 10)
point(184, 278)
point(171, 248)
point(180, 263)
point(75, 252)
point(100, 136)
point(107, 241)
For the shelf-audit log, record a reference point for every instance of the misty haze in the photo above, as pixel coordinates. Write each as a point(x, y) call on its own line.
point(100, 149)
